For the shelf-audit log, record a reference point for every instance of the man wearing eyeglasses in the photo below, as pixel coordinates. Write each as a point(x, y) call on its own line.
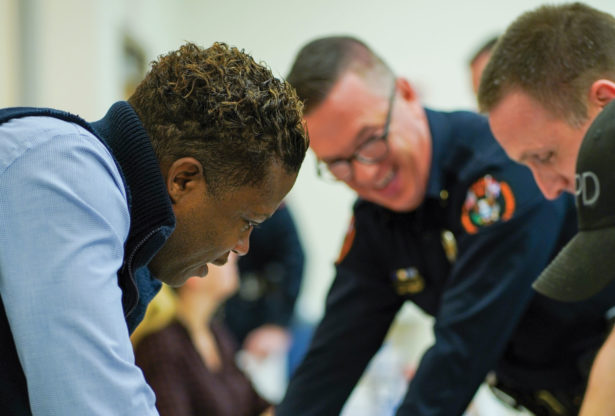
point(445, 220)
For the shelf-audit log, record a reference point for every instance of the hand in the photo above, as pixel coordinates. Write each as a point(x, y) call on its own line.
point(409, 371)
point(267, 339)
point(268, 412)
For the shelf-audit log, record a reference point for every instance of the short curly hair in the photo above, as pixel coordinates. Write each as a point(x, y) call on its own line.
point(222, 108)
point(554, 54)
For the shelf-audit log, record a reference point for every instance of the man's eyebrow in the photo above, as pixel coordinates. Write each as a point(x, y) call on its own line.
point(524, 156)
point(527, 154)
point(364, 133)
point(258, 217)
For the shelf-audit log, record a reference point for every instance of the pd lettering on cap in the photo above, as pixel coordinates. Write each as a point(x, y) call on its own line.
point(588, 188)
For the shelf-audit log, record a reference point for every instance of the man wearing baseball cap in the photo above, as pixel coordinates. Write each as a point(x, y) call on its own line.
point(585, 265)
point(551, 75)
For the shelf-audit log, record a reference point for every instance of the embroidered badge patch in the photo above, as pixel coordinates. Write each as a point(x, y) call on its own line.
point(408, 281)
point(348, 240)
point(487, 201)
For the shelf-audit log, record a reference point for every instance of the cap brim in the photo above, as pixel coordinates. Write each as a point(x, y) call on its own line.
point(582, 268)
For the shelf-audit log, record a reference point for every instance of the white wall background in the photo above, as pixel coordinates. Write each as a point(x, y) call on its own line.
point(67, 54)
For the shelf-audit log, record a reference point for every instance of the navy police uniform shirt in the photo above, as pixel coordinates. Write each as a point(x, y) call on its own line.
point(467, 256)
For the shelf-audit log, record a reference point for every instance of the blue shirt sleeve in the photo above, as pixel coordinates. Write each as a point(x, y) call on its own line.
point(63, 223)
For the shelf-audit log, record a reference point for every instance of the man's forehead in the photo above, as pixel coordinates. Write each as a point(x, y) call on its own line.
point(258, 202)
point(343, 118)
point(514, 106)
point(259, 213)
point(352, 85)
point(509, 123)
point(254, 203)
point(349, 89)
point(514, 100)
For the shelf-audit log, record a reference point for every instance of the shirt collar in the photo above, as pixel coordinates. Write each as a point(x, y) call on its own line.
point(441, 134)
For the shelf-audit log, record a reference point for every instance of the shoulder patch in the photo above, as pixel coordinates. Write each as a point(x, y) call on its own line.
point(487, 202)
point(348, 240)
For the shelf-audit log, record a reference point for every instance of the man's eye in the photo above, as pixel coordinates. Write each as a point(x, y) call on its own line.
point(373, 138)
point(544, 158)
point(249, 225)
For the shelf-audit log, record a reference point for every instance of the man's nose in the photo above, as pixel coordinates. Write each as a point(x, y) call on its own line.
point(243, 244)
point(364, 173)
point(550, 184)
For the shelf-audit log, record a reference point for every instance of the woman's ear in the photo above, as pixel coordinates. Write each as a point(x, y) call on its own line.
point(184, 176)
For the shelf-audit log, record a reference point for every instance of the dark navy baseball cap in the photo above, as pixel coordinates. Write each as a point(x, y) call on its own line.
point(587, 263)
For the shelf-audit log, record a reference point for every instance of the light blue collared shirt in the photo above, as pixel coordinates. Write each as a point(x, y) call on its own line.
point(64, 219)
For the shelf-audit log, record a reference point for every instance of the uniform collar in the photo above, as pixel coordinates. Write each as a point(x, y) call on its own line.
point(441, 133)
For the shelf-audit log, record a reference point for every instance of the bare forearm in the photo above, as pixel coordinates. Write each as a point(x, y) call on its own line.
point(599, 396)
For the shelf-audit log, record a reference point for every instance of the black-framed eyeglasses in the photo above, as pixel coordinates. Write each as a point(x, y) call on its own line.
point(372, 151)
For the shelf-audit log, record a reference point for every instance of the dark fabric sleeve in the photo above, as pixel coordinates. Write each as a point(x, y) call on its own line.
point(487, 294)
point(288, 253)
point(359, 311)
point(275, 261)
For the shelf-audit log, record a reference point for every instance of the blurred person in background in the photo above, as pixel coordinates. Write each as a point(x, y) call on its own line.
point(190, 363)
point(479, 60)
